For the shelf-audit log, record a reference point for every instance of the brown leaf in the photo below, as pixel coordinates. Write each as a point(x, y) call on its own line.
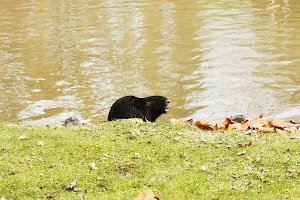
point(245, 144)
point(147, 195)
point(245, 125)
point(266, 130)
point(226, 123)
point(294, 122)
point(259, 122)
point(205, 126)
point(280, 124)
point(189, 121)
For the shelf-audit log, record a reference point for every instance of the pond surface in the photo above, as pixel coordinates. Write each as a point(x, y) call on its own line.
point(212, 59)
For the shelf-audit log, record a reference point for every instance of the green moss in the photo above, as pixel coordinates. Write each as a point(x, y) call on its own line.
point(175, 162)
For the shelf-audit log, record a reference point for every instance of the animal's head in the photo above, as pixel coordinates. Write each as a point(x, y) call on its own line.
point(158, 104)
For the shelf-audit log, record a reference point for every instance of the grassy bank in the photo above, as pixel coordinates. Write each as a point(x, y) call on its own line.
point(130, 157)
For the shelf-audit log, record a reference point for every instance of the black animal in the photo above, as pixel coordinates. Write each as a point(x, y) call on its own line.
point(148, 109)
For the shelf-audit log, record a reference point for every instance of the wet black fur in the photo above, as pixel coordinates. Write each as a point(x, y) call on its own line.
point(148, 109)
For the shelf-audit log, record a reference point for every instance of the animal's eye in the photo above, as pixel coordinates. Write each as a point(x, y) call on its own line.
point(156, 99)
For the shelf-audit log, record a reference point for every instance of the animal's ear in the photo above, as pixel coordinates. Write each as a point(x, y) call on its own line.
point(148, 99)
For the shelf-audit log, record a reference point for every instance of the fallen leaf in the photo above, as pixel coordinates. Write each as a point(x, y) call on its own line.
point(291, 129)
point(71, 186)
point(204, 126)
point(280, 131)
point(175, 121)
point(226, 123)
point(203, 168)
point(49, 195)
point(294, 122)
point(266, 130)
point(245, 125)
point(250, 132)
point(259, 122)
point(93, 166)
point(77, 189)
point(181, 123)
point(23, 137)
point(40, 143)
point(280, 124)
point(236, 126)
point(242, 153)
point(137, 155)
point(245, 144)
point(147, 195)
point(189, 121)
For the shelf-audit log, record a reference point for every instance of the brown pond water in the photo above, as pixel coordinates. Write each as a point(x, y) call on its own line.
point(63, 57)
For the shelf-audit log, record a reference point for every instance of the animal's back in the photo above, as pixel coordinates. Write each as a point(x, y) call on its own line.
point(125, 108)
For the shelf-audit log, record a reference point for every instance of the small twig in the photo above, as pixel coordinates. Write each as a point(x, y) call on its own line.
point(210, 116)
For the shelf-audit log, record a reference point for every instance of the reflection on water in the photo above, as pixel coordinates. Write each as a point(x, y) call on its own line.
point(208, 57)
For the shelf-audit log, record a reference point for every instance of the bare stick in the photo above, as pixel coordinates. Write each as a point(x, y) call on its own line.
point(210, 116)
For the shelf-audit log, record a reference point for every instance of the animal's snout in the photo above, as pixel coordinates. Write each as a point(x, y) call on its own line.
point(168, 102)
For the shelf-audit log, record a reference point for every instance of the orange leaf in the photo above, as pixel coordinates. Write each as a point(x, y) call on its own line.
point(198, 124)
point(266, 130)
point(205, 126)
point(276, 124)
point(281, 124)
point(147, 195)
point(245, 125)
point(259, 122)
point(244, 144)
point(226, 123)
point(236, 126)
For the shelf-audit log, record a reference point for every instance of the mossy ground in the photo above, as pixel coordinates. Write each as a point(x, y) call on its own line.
point(174, 162)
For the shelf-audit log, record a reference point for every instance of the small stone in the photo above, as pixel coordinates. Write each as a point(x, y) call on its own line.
point(238, 118)
point(72, 122)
